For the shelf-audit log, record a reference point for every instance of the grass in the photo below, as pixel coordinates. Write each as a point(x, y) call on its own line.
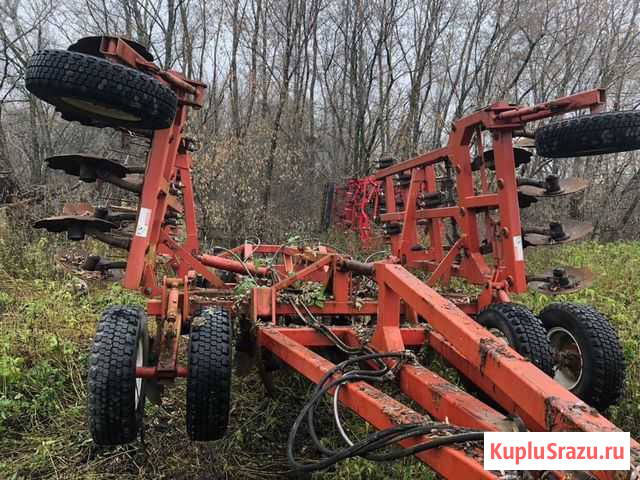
point(616, 293)
point(46, 328)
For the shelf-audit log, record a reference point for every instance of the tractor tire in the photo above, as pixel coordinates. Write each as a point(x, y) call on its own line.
point(522, 330)
point(583, 330)
point(97, 92)
point(209, 375)
point(596, 134)
point(115, 396)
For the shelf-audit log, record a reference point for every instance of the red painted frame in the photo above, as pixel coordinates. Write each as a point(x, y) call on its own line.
point(356, 205)
point(507, 274)
point(517, 385)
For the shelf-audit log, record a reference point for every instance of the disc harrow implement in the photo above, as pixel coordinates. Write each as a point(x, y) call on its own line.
point(297, 298)
point(354, 206)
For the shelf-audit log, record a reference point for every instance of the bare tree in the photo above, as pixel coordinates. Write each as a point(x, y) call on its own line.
point(307, 91)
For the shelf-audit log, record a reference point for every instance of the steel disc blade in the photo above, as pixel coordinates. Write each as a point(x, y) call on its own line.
point(573, 230)
point(72, 164)
point(525, 142)
point(525, 201)
point(122, 208)
point(578, 278)
point(567, 187)
point(520, 156)
point(64, 222)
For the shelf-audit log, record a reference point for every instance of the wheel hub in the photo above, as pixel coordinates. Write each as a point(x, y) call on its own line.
point(139, 363)
point(567, 357)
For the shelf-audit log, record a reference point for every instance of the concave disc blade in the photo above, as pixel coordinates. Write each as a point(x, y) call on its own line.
point(573, 230)
point(567, 187)
point(579, 278)
point(63, 222)
point(72, 162)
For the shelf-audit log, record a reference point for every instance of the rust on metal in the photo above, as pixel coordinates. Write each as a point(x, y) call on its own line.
point(494, 347)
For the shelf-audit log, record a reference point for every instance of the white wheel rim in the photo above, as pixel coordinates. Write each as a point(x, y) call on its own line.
point(563, 344)
point(139, 363)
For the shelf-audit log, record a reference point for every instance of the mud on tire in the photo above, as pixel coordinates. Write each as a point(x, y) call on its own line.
point(115, 397)
point(523, 331)
point(97, 92)
point(209, 375)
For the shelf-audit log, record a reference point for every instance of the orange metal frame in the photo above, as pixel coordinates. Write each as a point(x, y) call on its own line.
point(514, 383)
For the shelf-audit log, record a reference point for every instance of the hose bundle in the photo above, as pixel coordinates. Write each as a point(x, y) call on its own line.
point(375, 446)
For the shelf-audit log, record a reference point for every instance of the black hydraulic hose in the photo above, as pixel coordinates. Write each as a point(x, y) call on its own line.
point(326, 331)
point(323, 387)
point(368, 447)
point(378, 440)
point(353, 375)
point(311, 413)
point(434, 443)
point(420, 428)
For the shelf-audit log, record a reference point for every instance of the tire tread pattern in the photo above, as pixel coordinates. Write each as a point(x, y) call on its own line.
point(209, 375)
point(531, 339)
point(51, 74)
point(606, 380)
point(595, 134)
point(113, 419)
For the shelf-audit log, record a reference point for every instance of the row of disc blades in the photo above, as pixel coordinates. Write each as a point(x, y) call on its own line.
point(553, 281)
point(109, 225)
point(561, 279)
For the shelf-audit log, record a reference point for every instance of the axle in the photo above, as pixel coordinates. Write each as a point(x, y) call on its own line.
point(234, 266)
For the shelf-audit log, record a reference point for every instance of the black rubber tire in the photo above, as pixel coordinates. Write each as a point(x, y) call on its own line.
point(113, 417)
point(209, 375)
point(53, 75)
point(595, 134)
point(523, 331)
point(603, 370)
